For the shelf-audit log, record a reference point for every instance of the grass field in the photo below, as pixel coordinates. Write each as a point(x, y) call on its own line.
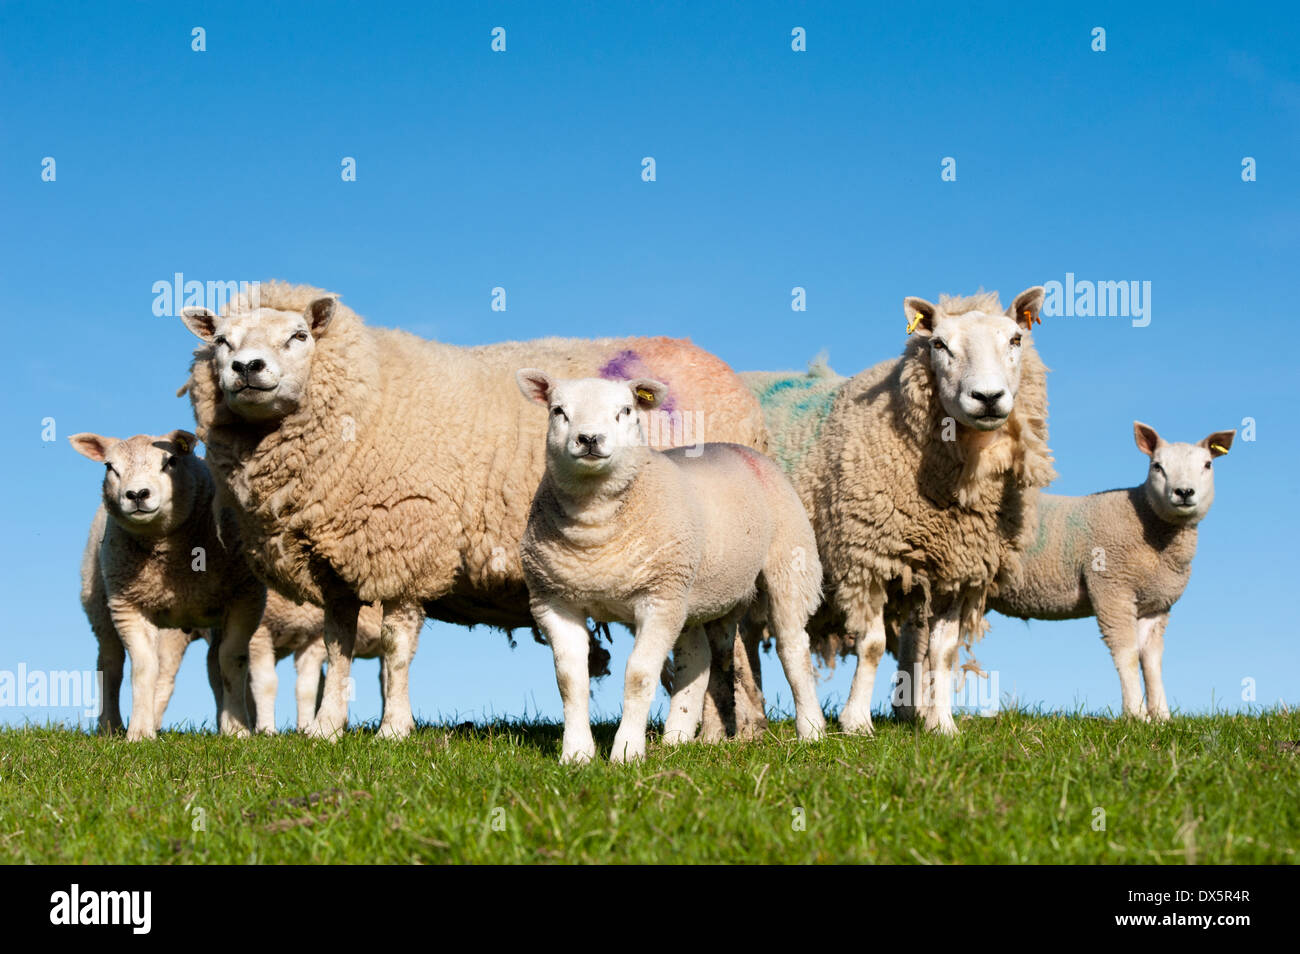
point(1015, 788)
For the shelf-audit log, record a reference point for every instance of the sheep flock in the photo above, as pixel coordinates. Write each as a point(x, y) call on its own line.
point(359, 480)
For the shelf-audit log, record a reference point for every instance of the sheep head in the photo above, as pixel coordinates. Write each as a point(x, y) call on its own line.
point(594, 427)
point(975, 352)
point(262, 356)
point(150, 483)
point(1180, 478)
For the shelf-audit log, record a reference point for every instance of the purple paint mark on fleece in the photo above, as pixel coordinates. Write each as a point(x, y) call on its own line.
point(626, 365)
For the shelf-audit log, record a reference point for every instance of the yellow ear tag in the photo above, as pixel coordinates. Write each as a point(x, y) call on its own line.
point(916, 320)
point(183, 444)
point(1032, 319)
point(645, 394)
point(1220, 448)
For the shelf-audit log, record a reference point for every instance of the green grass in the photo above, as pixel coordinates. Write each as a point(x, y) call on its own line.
point(1015, 788)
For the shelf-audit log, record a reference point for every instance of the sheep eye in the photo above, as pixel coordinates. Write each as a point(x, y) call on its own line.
point(167, 462)
point(1207, 465)
point(558, 412)
point(1157, 468)
point(938, 344)
point(623, 412)
point(299, 336)
point(221, 342)
point(1015, 342)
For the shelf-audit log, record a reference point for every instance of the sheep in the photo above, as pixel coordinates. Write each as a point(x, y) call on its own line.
point(1123, 556)
point(155, 560)
point(665, 542)
point(915, 474)
point(366, 464)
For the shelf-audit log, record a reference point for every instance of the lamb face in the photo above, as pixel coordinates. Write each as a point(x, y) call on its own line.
point(594, 428)
point(263, 356)
point(150, 483)
point(975, 356)
point(1180, 481)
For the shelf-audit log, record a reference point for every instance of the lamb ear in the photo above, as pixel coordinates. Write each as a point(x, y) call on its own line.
point(1146, 437)
point(320, 313)
point(648, 392)
point(920, 316)
point(1219, 443)
point(535, 385)
point(201, 321)
point(182, 441)
point(1025, 310)
point(92, 445)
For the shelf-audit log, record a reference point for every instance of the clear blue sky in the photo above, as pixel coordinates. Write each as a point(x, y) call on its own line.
point(774, 169)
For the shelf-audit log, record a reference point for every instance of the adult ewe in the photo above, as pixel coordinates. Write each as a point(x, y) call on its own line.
point(664, 542)
point(915, 474)
point(1123, 556)
point(367, 464)
point(160, 557)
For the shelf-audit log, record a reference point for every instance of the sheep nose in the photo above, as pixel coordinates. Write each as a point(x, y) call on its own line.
point(142, 494)
point(987, 398)
point(1185, 492)
point(590, 440)
point(248, 367)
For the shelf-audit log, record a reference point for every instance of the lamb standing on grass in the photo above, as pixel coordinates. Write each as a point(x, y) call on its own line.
point(915, 474)
point(1124, 556)
point(665, 542)
point(366, 464)
point(155, 561)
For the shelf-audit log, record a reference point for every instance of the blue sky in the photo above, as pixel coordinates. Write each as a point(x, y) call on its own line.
point(775, 169)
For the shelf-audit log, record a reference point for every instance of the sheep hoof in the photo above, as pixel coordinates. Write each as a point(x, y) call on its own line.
point(578, 756)
point(395, 730)
point(942, 725)
point(856, 724)
point(322, 730)
point(674, 737)
point(627, 752)
point(140, 735)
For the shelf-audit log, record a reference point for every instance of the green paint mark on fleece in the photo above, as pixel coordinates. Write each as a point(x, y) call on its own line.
point(795, 408)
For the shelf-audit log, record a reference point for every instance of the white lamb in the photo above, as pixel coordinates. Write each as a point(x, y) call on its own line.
point(159, 558)
point(662, 542)
point(1124, 556)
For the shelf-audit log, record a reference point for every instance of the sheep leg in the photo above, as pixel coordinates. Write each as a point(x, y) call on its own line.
point(855, 717)
point(691, 659)
point(909, 690)
point(1117, 618)
point(719, 717)
point(398, 638)
point(140, 637)
point(241, 620)
point(171, 649)
point(657, 629)
point(214, 669)
point(112, 656)
point(307, 661)
point(751, 717)
point(565, 630)
point(262, 681)
point(792, 646)
point(1151, 650)
point(945, 643)
point(340, 640)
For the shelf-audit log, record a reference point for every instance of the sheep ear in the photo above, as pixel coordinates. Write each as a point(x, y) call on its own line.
point(920, 316)
point(92, 446)
point(1146, 437)
point(535, 385)
point(1025, 310)
point(648, 392)
point(201, 321)
point(1219, 443)
point(182, 442)
point(320, 313)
